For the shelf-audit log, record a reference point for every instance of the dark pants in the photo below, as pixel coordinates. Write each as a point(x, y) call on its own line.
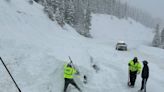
point(133, 76)
point(70, 81)
point(144, 80)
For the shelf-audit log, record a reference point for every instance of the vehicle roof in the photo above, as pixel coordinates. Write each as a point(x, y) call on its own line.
point(120, 42)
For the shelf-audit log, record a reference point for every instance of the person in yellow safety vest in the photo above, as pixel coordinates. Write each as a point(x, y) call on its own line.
point(69, 71)
point(134, 69)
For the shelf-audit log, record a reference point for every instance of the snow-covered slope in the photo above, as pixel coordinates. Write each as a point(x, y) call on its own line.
point(111, 29)
point(35, 49)
point(108, 30)
point(32, 46)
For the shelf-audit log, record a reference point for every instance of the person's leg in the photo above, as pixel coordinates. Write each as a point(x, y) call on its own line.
point(145, 81)
point(74, 84)
point(142, 85)
point(66, 84)
point(133, 78)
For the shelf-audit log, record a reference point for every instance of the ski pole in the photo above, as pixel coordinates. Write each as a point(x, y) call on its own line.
point(73, 64)
point(70, 59)
point(85, 77)
point(10, 74)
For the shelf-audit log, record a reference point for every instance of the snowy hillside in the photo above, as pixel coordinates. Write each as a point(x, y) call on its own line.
point(111, 29)
point(35, 50)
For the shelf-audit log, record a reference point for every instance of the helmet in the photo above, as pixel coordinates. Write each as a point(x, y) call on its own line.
point(135, 59)
point(145, 62)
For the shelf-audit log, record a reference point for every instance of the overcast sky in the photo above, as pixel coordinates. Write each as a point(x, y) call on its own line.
point(154, 7)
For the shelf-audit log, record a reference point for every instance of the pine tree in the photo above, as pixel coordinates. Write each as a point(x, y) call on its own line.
point(156, 40)
point(87, 22)
point(79, 16)
point(162, 37)
point(59, 16)
point(59, 12)
point(69, 12)
point(49, 11)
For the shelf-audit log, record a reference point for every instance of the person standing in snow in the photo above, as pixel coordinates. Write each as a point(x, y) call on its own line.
point(69, 71)
point(144, 75)
point(134, 69)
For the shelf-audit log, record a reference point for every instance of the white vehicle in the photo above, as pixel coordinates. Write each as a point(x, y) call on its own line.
point(121, 45)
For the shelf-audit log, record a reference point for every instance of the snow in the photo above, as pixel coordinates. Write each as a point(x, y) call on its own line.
point(35, 49)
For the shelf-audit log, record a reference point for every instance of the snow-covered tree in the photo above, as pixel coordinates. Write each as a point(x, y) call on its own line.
point(77, 12)
point(162, 37)
point(49, 11)
point(69, 12)
point(156, 40)
point(59, 12)
point(79, 16)
point(87, 22)
point(59, 16)
point(82, 17)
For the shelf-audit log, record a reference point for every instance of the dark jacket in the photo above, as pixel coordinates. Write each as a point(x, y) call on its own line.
point(145, 71)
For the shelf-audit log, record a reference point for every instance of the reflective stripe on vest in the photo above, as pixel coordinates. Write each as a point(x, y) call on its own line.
point(134, 66)
point(68, 71)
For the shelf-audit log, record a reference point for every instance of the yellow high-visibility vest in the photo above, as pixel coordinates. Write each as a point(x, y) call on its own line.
point(69, 72)
point(134, 67)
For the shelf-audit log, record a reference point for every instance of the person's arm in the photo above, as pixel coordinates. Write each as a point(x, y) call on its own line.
point(65, 65)
point(147, 72)
point(130, 63)
point(139, 68)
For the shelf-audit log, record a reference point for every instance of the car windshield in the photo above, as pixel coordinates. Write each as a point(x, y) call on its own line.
point(121, 44)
